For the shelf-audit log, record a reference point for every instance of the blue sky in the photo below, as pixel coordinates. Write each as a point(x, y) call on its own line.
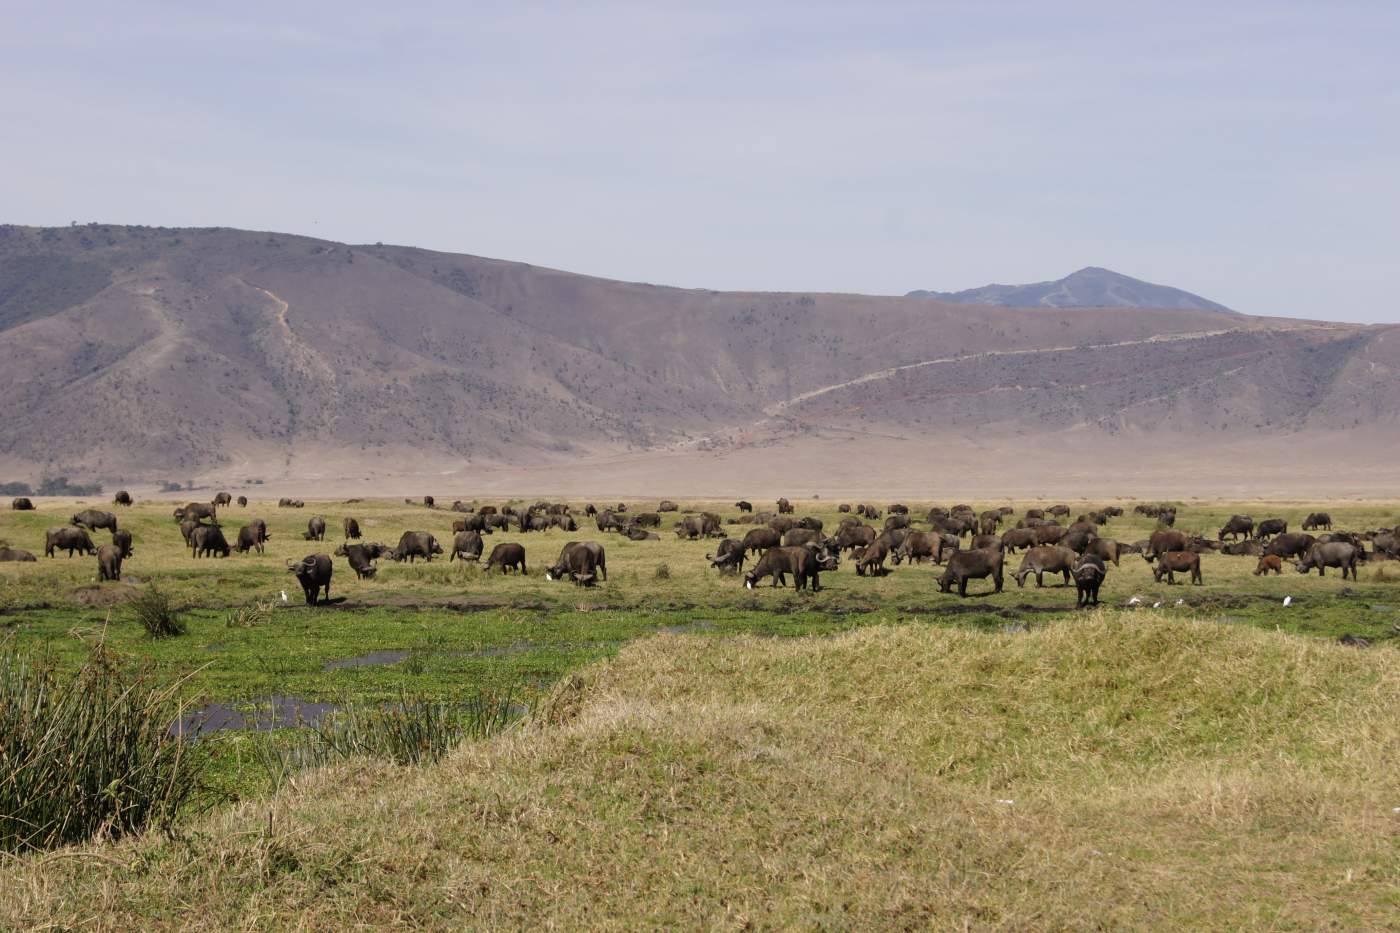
point(1246, 151)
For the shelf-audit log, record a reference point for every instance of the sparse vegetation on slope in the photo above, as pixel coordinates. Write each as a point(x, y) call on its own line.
point(1098, 773)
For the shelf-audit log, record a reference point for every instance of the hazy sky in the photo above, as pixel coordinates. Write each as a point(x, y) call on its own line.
point(1245, 151)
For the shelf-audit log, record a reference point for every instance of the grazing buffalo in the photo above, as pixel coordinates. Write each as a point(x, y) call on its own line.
point(285, 503)
point(582, 561)
point(314, 574)
point(916, 546)
point(971, 565)
point(992, 541)
point(250, 538)
point(1046, 559)
point(1341, 554)
point(897, 520)
point(1089, 572)
point(1078, 538)
point(471, 522)
point(1164, 541)
point(607, 521)
point(429, 501)
point(728, 557)
point(869, 511)
point(1251, 547)
point(122, 498)
point(782, 523)
point(849, 537)
point(800, 536)
point(810, 522)
point(704, 525)
point(802, 562)
point(784, 507)
point(223, 498)
point(196, 511)
point(187, 528)
point(1291, 544)
point(1170, 563)
point(870, 561)
point(1270, 527)
point(315, 529)
point(844, 507)
point(93, 519)
point(507, 557)
point(361, 558)
point(1014, 539)
point(647, 519)
point(1107, 549)
point(8, 554)
point(1317, 520)
point(1239, 526)
point(666, 505)
point(351, 527)
point(1060, 509)
point(208, 541)
point(109, 562)
point(761, 539)
point(21, 504)
point(467, 545)
point(1267, 563)
point(122, 539)
point(415, 544)
point(68, 539)
point(242, 502)
point(1049, 533)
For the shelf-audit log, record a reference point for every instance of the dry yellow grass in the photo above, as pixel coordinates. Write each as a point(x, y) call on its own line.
point(1108, 771)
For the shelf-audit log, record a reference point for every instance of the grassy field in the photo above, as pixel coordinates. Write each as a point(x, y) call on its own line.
point(447, 630)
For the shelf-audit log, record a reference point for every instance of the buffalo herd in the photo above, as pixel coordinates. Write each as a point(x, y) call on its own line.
point(780, 543)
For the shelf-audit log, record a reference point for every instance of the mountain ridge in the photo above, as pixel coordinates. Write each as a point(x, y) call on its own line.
point(1090, 287)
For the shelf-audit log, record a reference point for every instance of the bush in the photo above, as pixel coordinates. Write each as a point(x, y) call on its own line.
point(87, 757)
point(15, 489)
point(663, 572)
point(59, 486)
point(157, 614)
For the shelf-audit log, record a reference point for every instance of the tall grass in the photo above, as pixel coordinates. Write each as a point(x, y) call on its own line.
point(411, 731)
point(88, 756)
point(157, 613)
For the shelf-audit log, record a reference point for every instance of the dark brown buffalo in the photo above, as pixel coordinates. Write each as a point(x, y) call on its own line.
point(1239, 526)
point(15, 554)
point(870, 561)
point(351, 528)
point(313, 572)
point(223, 498)
point(1269, 562)
point(1271, 526)
point(782, 523)
point(666, 505)
point(980, 542)
point(196, 511)
point(728, 557)
point(784, 507)
point(1048, 533)
point(471, 522)
point(122, 498)
point(1251, 547)
point(249, 539)
point(507, 557)
point(971, 565)
point(582, 561)
point(704, 525)
point(361, 558)
point(563, 521)
point(917, 546)
point(1164, 541)
point(810, 522)
point(93, 519)
point(744, 505)
point(1316, 520)
point(761, 539)
point(68, 539)
point(1046, 559)
point(800, 536)
point(1290, 544)
point(897, 520)
point(187, 528)
point(1341, 554)
point(109, 562)
point(849, 537)
point(122, 539)
point(415, 544)
point(637, 533)
point(209, 541)
point(803, 563)
point(429, 501)
point(1014, 539)
point(1170, 563)
point(607, 521)
point(1077, 538)
point(1089, 573)
point(868, 510)
point(315, 529)
point(467, 545)
point(647, 519)
point(1060, 509)
point(285, 503)
point(21, 504)
point(844, 507)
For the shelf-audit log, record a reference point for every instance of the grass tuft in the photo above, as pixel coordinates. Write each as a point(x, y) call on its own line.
point(663, 572)
point(258, 613)
point(157, 613)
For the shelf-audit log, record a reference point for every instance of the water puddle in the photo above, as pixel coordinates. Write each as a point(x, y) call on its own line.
point(373, 659)
point(260, 715)
point(700, 625)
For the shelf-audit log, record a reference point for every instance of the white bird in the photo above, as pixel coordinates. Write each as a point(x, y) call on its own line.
point(284, 596)
point(1180, 601)
point(1288, 600)
point(1135, 601)
point(1157, 604)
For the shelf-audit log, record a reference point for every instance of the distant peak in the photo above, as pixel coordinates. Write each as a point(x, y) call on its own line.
point(1089, 287)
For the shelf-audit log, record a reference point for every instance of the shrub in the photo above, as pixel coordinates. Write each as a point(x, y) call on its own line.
point(157, 613)
point(59, 486)
point(663, 572)
point(89, 756)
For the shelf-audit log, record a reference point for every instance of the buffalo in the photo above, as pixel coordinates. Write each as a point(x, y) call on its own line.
point(802, 562)
point(242, 502)
point(67, 538)
point(507, 557)
point(361, 558)
point(647, 519)
point(582, 561)
point(1089, 572)
point(1107, 549)
point(351, 527)
point(1250, 547)
point(223, 498)
point(415, 544)
point(1270, 527)
point(971, 565)
point(196, 511)
point(1170, 563)
point(122, 539)
point(21, 504)
point(666, 505)
point(15, 554)
point(122, 498)
point(314, 574)
point(93, 519)
point(1317, 520)
point(638, 533)
point(728, 557)
point(744, 505)
point(1015, 538)
point(782, 523)
point(472, 522)
point(1046, 559)
point(1164, 541)
point(1341, 554)
point(870, 561)
point(109, 562)
point(1290, 544)
point(849, 537)
point(250, 538)
point(784, 507)
point(315, 529)
point(1239, 526)
point(918, 545)
point(208, 540)
point(187, 528)
point(467, 545)
point(1267, 563)
point(811, 522)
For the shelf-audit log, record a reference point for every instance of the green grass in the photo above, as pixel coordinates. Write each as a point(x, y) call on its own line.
point(1113, 770)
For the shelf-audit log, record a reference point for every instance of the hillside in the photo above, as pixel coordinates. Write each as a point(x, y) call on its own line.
point(1091, 287)
point(1101, 773)
point(132, 354)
